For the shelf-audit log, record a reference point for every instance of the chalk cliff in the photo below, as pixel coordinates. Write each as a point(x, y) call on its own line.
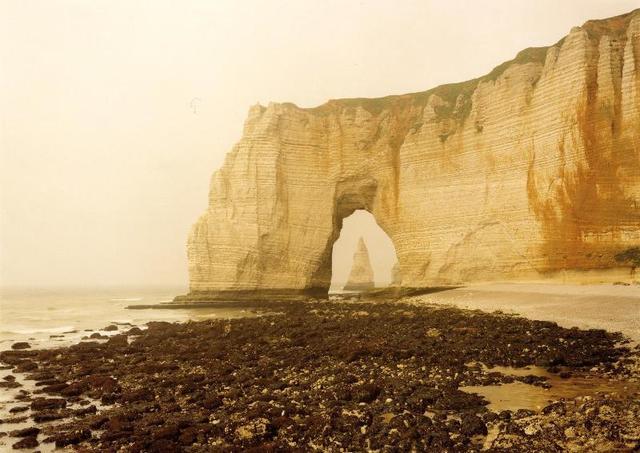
point(530, 171)
point(361, 275)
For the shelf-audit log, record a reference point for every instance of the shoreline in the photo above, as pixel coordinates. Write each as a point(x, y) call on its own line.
point(48, 317)
point(603, 306)
point(327, 374)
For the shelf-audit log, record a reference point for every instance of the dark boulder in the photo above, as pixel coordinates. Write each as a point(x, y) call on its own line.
point(27, 442)
point(26, 432)
point(40, 404)
point(118, 341)
point(20, 345)
point(472, 425)
point(71, 437)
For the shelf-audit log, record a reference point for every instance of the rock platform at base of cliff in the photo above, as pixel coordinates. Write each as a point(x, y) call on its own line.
point(326, 375)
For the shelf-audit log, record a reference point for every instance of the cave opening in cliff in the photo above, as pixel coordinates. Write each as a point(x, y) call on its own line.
point(361, 226)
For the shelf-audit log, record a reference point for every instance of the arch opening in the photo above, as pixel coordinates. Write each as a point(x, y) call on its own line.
point(381, 251)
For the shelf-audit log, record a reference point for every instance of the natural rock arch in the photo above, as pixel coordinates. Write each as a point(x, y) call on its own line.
point(361, 225)
point(530, 170)
point(350, 198)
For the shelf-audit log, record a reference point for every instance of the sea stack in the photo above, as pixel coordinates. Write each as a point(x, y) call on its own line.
point(396, 276)
point(361, 276)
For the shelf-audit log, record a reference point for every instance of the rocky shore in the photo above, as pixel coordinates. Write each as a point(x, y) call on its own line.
point(320, 375)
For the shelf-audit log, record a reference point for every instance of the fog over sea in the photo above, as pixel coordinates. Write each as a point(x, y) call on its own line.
point(59, 316)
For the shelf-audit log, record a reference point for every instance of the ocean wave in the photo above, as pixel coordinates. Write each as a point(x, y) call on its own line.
point(34, 330)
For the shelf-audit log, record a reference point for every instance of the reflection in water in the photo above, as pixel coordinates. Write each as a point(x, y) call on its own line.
point(518, 395)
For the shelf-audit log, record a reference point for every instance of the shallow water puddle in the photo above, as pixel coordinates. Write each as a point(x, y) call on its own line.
point(518, 395)
point(9, 399)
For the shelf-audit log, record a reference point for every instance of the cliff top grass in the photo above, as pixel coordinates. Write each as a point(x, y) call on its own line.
point(448, 92)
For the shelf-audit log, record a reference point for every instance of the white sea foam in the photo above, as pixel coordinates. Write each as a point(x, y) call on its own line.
point(122, 321)
point(34, 317)
point(36, 330)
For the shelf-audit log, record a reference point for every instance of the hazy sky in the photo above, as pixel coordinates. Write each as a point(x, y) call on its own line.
point(114, 114)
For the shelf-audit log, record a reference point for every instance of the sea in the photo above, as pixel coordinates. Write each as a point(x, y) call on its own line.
point(48, 317)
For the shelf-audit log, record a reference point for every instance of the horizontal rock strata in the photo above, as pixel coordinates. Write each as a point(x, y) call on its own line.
point(530, 171)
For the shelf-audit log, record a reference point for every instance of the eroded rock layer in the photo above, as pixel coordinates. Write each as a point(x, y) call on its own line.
point(530, 170)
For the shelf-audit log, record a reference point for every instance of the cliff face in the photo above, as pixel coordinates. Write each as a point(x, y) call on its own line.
point(361, 275)
point(532, 169)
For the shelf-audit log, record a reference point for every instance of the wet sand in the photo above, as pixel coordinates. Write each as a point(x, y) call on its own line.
point(318, 375)
point(611, 307)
